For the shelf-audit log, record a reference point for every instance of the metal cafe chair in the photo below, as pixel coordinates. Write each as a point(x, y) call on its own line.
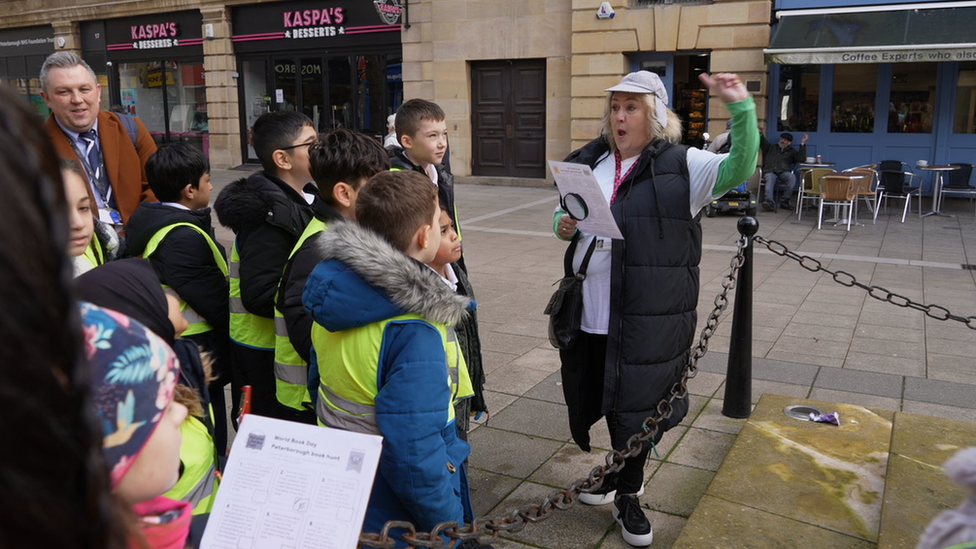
point(837, 190)
point(866, 188)
point(958, 183)
point(895, 181)
point(810, 189)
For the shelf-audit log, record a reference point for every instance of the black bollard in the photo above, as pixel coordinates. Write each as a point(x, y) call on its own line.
point(738, 378)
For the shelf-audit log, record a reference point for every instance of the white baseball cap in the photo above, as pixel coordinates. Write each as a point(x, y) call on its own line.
point(646, 82)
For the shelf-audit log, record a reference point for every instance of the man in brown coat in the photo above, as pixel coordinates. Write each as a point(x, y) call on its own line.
point(112, 150)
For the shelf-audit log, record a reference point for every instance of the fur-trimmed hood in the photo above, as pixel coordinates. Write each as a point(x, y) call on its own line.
point(258, 199)
point(364, 279)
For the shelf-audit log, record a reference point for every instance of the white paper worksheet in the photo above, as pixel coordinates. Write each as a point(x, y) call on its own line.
point(578, 179)
point(291, 485)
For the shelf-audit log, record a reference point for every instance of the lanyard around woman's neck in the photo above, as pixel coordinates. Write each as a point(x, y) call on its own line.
point(617, 178)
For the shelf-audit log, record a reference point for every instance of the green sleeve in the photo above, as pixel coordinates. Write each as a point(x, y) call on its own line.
point(555, 222)
point(741, 162)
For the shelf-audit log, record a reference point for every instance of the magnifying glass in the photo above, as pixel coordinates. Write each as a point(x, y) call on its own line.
point(575, 206)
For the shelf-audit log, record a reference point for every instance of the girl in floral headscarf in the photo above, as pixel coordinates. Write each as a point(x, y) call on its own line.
point(134, 376)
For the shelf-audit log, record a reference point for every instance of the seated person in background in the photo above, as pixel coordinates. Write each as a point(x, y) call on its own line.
point(778, 162)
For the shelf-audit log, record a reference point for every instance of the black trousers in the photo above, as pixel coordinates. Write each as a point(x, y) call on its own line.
point(583, 368)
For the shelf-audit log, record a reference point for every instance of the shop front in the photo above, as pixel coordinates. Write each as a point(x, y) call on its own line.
point(873, 83)
point(155, 66)
point(22, 52)
point(688, 97)
point(338, 62)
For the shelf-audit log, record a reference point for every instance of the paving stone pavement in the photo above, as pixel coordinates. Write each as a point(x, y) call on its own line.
point(812, 338)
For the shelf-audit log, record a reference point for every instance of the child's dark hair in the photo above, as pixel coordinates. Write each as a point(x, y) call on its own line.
point(347, 156)
point(395, 204)
point(276, 130)
point(174, 166)
point(412, 113)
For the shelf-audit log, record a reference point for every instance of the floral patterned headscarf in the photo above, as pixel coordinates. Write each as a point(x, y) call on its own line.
point(134, 375)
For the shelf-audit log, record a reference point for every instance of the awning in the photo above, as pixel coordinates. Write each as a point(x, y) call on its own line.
point(875, 34)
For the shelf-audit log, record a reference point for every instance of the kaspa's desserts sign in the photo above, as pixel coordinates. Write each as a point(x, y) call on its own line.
point(389, 11)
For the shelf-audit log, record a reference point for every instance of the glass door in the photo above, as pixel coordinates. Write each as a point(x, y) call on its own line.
point(314, 93)
point(339, 79)
point(285, 96)
point(255, 100)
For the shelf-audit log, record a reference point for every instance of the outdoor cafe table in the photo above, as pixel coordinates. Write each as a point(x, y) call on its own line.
point(940, 170)
point(816, 164)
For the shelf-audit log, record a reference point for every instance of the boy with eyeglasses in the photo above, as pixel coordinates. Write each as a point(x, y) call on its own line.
point(268, 212)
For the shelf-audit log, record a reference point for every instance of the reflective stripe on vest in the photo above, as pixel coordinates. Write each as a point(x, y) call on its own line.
point(197, 324)
point(348, 364)
point(291, 372)
point(246, 329)
point(198, 481)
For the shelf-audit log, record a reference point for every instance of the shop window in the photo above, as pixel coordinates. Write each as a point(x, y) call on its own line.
point(188, 119)
point(141, 89)
point(912, 99)
point(855, 88)
point(799, 92)
point(340, 92)
point(370, 83)
point(964, 115)
point(169, 97)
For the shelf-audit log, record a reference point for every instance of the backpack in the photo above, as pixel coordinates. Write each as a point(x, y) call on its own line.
point(131, 127)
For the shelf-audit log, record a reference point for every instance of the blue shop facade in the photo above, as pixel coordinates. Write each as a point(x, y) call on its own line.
point(877, 81)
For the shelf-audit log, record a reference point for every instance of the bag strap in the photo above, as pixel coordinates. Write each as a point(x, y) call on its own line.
point(130, 128)
point(571, 252)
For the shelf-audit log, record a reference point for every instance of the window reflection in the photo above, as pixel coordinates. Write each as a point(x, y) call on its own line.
point(169, 97)
point(852, 108)
point(964, 117)
point(799, 88)
point(912, 99)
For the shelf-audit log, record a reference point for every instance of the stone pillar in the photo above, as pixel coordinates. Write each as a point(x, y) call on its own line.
point(70, 32)
point(220, 70)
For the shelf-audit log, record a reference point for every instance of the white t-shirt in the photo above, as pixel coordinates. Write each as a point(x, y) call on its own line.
point(702, 172)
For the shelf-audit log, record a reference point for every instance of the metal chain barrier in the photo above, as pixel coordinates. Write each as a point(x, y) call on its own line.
point(845, 278)
point(487, 529)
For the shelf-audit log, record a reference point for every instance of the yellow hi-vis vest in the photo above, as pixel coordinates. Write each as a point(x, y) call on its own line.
point(291, 372)
point(198, 482)
point(245, 328)
point(93, 253)
point(348, 366)
point(197, 324)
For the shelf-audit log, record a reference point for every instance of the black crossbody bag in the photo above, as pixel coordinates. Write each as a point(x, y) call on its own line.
point(565, 307)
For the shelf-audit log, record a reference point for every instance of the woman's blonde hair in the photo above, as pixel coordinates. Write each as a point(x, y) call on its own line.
point(670, 133)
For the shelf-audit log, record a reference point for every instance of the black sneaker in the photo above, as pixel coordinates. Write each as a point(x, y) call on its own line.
point(768, 206)
point(605, 493)
point(634, 525)
point(785, 206)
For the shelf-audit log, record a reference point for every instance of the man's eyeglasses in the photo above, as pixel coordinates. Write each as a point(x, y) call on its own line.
point(306, 144)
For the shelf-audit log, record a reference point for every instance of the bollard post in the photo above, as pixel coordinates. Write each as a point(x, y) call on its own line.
point(738, 377)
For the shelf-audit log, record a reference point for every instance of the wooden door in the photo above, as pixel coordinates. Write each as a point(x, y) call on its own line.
point(509, 118)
